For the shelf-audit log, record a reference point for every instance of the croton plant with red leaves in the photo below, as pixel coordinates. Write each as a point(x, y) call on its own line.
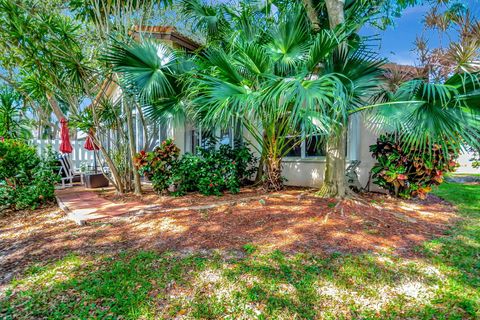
point(406, 173)
point(157, 164)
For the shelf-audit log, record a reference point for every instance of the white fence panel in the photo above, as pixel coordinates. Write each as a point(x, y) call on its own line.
point(79, 155)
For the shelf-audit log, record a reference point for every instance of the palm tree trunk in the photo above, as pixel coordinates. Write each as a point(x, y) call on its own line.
point(334, 180)
point(335, 10)
point(312, 14)
point(274, 180)
point(131, 143)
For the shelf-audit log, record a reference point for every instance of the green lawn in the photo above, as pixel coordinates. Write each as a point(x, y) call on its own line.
point(445, 284)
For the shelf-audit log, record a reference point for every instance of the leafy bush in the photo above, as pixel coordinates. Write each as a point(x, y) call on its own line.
point(406, 173)
point(212, 171)
point(158, 165)
point(209, 171)
point(26, 180)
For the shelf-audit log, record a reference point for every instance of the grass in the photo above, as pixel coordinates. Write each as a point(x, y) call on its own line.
point(146, 285)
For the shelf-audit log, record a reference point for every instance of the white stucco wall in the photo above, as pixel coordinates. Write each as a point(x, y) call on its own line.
point(309, 172)
point(466, 164)
point(303, 172)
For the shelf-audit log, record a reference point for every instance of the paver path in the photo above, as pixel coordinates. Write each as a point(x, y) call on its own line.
point(83, 205)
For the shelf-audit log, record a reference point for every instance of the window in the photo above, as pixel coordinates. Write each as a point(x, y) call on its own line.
point(314, 147)
point(225, 136)
point(211, 138)
point(310, 147)
point(294, 143)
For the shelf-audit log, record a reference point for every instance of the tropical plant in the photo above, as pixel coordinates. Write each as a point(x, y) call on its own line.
point(475, 160)
point(13, 123)
point(446, 114)
point(26, 180)
point(283, 75)
point(212, 171)
point(407, 174)
point(159, 164)
point(50, 57)
point(459, 49)
point(266, 79)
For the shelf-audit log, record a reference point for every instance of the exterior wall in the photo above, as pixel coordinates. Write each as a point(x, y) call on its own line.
point(309, 172)
point(303, 172)
point(179, 136)
point(466, 164)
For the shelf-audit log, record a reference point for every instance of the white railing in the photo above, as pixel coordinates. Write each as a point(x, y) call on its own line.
point(79, 154)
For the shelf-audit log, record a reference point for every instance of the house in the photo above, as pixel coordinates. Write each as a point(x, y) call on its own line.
point(304, 166)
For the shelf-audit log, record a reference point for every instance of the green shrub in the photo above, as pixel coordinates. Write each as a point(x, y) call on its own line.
point(158, 165)
point(209, 171)
point(407, 173)
point(26, 180)
point(212, 171)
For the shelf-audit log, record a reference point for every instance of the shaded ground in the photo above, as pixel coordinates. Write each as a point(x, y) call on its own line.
point(149, 197)
point(292, 223)
point(97, 281)
point(78, 278)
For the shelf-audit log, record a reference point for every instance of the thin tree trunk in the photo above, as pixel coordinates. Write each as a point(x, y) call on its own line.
point(260, 170)
point(146, 142)
point(56, 108)
point(117, 180)
point(261, 163)
point(131, 143)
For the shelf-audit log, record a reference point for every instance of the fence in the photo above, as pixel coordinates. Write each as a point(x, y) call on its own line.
point(79, 155)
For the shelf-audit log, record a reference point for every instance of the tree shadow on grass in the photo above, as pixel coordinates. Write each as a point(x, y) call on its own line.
point(276, 285)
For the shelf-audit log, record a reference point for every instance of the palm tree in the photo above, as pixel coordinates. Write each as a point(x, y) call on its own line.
point(271, 83)
point(281, 80)
point(272, 74)
point(446, 114)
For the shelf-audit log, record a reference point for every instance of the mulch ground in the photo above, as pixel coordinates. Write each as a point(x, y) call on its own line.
point(149, 197)
point(293, 222)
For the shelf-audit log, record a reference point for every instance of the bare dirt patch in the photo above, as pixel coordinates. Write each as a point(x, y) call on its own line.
point(293, 222)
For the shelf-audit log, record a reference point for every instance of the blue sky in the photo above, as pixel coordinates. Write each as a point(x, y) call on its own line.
point(397, 41)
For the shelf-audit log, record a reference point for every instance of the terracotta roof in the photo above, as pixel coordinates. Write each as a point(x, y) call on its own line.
point(166, 33)
point(406, 70)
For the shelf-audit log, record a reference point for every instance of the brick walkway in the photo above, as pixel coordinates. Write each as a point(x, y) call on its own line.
point(82, 205)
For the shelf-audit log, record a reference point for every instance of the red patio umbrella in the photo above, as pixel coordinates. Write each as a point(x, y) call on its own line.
point(91, 146)
point(65, 146)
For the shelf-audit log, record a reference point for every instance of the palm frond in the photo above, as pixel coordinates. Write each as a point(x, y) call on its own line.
point(145, 66)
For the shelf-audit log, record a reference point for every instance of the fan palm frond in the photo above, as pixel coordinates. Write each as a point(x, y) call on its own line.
point(145, 66)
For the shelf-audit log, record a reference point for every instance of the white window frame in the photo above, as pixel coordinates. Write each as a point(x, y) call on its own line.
point(353, 143)
point(217, 133)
